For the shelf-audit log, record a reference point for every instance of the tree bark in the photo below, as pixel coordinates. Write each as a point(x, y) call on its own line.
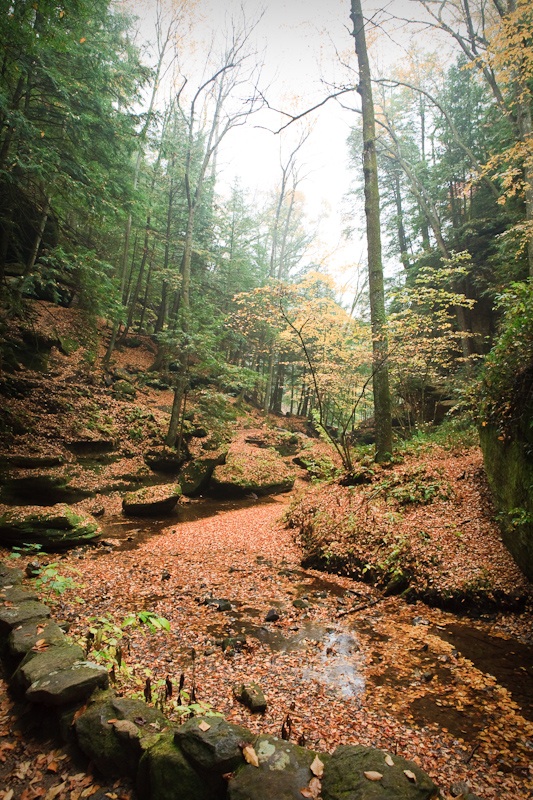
point(380, 382)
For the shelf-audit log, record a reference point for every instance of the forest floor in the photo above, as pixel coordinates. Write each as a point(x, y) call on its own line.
point(342, 664)
point(348, 667)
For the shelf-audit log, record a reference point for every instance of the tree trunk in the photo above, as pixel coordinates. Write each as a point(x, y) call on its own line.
point(380, 381)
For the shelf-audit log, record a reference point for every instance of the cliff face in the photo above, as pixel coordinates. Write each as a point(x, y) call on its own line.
point(509, 467)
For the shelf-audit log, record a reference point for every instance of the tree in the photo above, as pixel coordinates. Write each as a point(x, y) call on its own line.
point(380, 382)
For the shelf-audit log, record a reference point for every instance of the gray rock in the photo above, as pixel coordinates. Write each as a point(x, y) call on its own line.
point(217, 749)
point(344, 777)
point(112, 732)
point(16, 594)
point(165, 774)
point(284, 770)
point(68, 685)
point(301, 604)
point(9, 576)
point(25, 636)
point(251, 695)
point(260, 472)
point(37, 666)
point(12, 616)
point(272, 615)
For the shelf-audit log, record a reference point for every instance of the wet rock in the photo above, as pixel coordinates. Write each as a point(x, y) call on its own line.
point(12, 616)
point(112, 730)
point(165, 774)
point(216, 748)
point(152, 501)
point(37, 666)
point(272, 615)
point(68, 685)
point(251, 695)
point(57, 527)
point(301, 604)
point(344, 777)
point(284, 769)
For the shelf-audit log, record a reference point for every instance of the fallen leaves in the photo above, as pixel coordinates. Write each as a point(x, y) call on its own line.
point(373, 775)
point(249, 754)
point(317, 767)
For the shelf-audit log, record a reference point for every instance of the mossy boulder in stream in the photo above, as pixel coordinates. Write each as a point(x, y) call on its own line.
point(152, 501)
point(54, 528)
point(195, 476)
point(251, 471)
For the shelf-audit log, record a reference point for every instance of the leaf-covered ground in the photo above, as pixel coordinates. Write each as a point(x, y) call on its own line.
point(425, 527)
point(348, 666)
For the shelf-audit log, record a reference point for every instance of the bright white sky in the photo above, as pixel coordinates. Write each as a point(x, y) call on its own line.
point(302, 41)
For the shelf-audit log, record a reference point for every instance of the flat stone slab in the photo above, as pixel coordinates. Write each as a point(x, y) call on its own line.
point(57, 527)
point(9, 576)
point(11, 616)
point(152, 501)
point(68, 685)
point(37, 666)
point(16, 594)
point(25, 636)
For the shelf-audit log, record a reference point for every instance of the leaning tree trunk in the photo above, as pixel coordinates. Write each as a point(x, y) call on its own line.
point(380, 380)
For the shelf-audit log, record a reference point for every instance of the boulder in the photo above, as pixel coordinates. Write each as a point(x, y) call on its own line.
point(38, 665)
point(165, 774)
point(284, 770)
point(12, 616)
point(25, 636)
point(152, 501)
point(112, 732)
point(344, 776)
point(55, 528)
point(195, 477)
point(68, 685)
point(9, 576)
point(251, 695)
point(251, 471)
point(165, 459)
point(212, 744)
point(16, 594)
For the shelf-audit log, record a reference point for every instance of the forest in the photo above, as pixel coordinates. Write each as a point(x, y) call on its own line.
point(321, 423)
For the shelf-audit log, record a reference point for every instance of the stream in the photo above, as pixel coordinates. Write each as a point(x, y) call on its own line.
point(341, 666)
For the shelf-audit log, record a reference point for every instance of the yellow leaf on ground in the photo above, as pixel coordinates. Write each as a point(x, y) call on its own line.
point(373, 776)
point(204, 726)
point(388, 761)
point(410, 775)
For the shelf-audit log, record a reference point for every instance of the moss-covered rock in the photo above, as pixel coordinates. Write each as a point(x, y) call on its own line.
point(113, 732)
point(344, 776)
point(509, 468)
point(25, 636)
point(212, 744)
point(195, 476)
point(55, 528)
point(165, 774)
point(152, 501)
point(284, 770)
point(13, 616)
point(38, 665)
point(251, 695)
point(70, 685)
point(251, 470)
